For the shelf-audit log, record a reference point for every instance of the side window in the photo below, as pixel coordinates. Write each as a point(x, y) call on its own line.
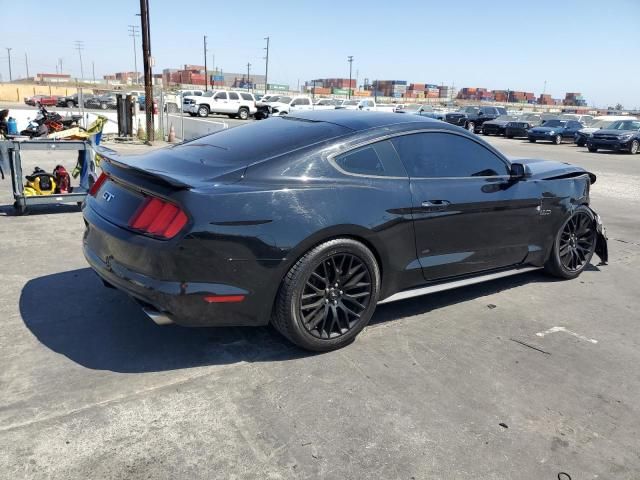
point(220, 96)
point(197, 94)
point(233, 96)
point(379, 159)
point(437, 155)
point(305, 101)
point(247, 96)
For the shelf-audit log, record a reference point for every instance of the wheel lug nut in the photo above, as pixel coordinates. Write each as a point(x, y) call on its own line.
point(341, 292)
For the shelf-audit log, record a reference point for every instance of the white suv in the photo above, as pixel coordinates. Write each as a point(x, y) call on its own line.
point(285, 105)
point(233, 104)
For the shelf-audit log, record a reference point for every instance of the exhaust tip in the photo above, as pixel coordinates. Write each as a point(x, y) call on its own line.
point(159, 318)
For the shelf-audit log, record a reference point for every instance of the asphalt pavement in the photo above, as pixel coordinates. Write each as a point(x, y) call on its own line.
point(521, 378)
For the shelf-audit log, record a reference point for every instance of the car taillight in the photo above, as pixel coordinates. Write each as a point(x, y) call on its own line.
point(97, 184)
point(158, 218)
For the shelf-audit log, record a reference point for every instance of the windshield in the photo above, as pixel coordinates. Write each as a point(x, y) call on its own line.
point(506, 118)
point(625, 125)
point(412, 107)
point(469, 110)
point(601, 123)
point(284, 99)
point(555, 123)
point(324, 102)
point(271, 99)
point(531, 118)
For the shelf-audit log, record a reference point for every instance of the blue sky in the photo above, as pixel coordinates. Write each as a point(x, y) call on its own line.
point(585, 46)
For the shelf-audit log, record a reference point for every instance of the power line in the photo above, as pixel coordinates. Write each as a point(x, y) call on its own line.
point(134, 31)
point(79, 45)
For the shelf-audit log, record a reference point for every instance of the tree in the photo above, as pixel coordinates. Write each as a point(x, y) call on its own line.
point(619, 107)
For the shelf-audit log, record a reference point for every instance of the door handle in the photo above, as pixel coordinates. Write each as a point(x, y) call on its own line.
point(435, 205)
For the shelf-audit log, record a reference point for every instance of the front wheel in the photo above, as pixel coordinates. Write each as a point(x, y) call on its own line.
point(635, 146)
point(592, 149)
point(532, 140)
point(328, 296)
point(203, 111)
point(574, 245)
point(471, 127)
point(70, 104)
point(103, 106)
point(557, 139)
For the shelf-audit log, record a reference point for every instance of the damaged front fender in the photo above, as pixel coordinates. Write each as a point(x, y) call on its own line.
point(602, 248)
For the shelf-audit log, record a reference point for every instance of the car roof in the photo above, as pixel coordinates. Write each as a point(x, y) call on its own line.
point(358, 120)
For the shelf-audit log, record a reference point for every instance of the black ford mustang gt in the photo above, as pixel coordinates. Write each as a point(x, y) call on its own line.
point(310, 220)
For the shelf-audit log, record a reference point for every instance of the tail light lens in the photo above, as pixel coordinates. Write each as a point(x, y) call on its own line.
point(97, 184)
point(158, 218)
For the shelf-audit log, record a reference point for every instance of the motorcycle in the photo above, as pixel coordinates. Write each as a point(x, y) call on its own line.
point(47, 122)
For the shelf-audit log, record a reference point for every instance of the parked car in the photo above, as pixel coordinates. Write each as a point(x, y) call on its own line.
point(33, 100)
point(102, 102)
point(498, 126)
point(43, 100)
point(584, 119)
point(285, 105)
point(324, 104)
point(349, 104)
point(554, 131)
point(623, 135)
point(521, 126)
point(598, 123)
point(421, 110)
point(310, 222)
point(472, 118)
point(234, 104)
point(172, 100)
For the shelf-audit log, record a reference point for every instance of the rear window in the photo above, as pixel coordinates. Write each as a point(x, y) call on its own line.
point(259, 140)
point(247, 96)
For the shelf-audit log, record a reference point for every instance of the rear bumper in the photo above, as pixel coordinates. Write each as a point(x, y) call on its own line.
point(516, 132)
point(108, 249)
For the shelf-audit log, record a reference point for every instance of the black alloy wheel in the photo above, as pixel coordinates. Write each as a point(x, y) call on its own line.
point(574, 245)
point(328, 296)
point(335, 295)
point(577, 241)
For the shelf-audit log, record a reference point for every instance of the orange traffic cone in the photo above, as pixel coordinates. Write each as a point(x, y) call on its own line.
point(172, 134)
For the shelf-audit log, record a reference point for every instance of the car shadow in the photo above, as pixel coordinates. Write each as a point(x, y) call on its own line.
point(73, 314)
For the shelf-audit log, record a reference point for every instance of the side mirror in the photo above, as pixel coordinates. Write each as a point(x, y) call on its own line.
point(518, 171)
point(480, 113)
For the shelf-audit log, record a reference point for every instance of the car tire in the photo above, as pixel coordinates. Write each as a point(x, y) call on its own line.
point(471, 127)
point(532, 140)
point(243, 113)
point(192, 114)
point(509, 136)
point(203, 111)
point(557, 140)
point(331, 318)
point(103, 106)
point(70, 104)
point(580, 143)
point(635, 146)
point(592, 149)
point(573, 245)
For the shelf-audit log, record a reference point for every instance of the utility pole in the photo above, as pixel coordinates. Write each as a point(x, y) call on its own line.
point(80, 46)
point(9, 57)
point(248, 76)
point(206, 80)
point(134, 31)
point(350, 60)
point(266, 66)
point(375, 91)
point(148, 76)
point(60, 62)
point(93, 71)
point(26, 63)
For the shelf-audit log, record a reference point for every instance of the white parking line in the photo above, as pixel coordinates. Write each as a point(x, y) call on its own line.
point(562, 329)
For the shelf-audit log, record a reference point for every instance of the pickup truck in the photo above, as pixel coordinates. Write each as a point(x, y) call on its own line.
point(172, 100)
point(472, 118)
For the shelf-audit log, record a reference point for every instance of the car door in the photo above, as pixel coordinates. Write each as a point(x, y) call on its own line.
point(469, 215)
point(234, 102)
point(571, 129)
point(220, 103)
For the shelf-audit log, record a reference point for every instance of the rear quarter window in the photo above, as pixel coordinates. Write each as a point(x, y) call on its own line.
point(377, 159)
